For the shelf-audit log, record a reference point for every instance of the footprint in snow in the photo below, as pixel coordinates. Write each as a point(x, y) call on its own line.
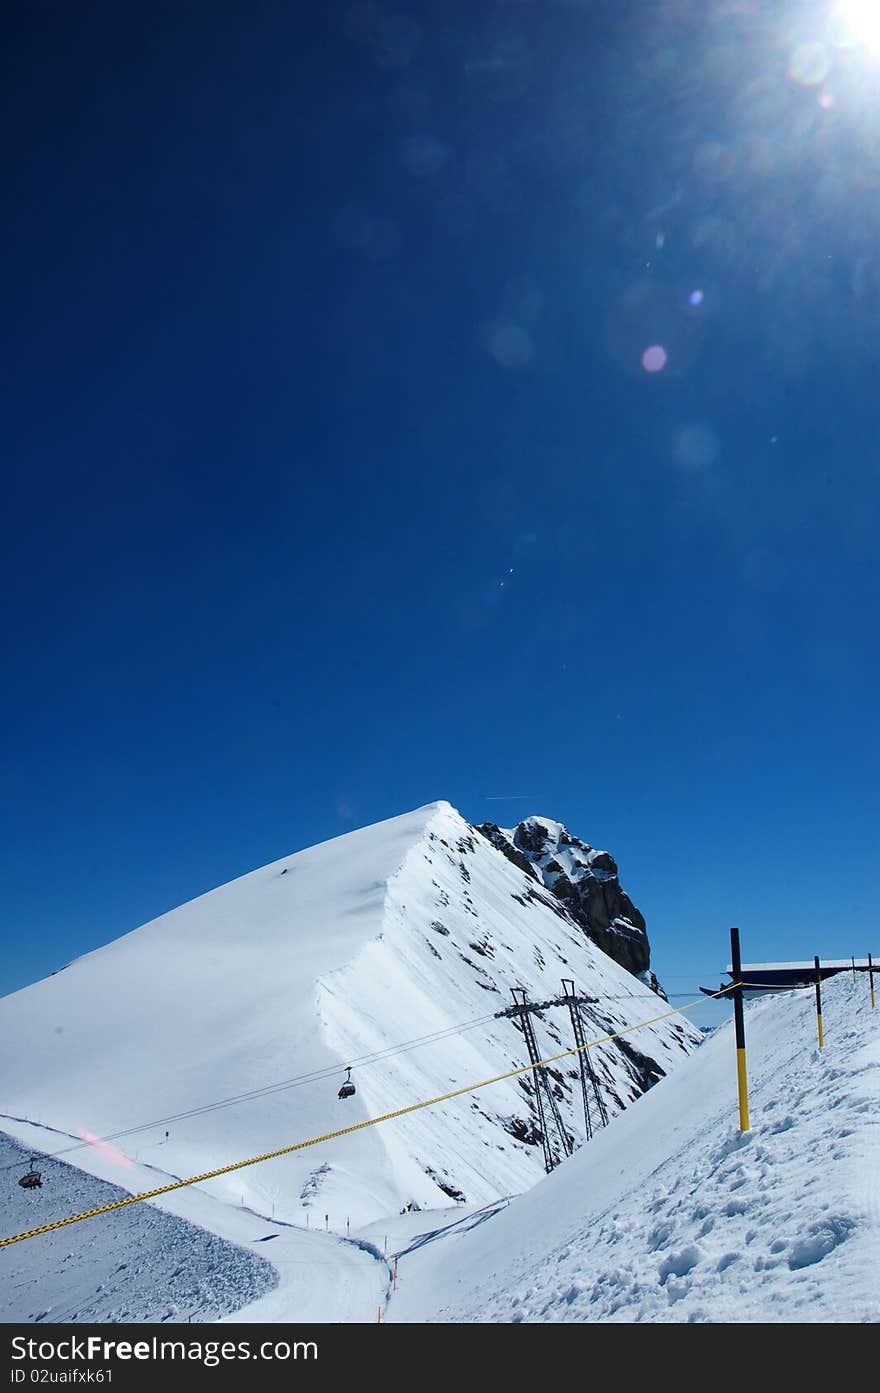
point(679, 1264)
point(784, 1124)
point(824, 1236)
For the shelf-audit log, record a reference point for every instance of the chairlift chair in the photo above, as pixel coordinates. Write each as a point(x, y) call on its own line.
point(33, 1180)
point(348, 1087)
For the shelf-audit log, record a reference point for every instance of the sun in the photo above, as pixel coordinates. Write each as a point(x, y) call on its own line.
point(859, 21)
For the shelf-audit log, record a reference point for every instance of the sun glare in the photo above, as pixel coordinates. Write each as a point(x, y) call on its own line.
point(860, 22)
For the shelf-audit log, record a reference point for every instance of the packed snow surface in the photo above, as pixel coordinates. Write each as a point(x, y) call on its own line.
point(139, 1264)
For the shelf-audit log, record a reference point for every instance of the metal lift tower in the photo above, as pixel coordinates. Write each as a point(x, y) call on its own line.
point(521, 1010)
point(571, 999)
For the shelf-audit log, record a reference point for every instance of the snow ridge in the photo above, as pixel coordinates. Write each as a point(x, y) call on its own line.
point(349, 953)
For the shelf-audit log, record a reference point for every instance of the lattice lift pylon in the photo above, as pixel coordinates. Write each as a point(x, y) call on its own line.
point(521, 1010)
point(574, 1003)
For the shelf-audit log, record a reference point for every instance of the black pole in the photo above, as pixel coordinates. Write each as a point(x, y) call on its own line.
point(853, 961)
point(871, 979)
point(740, 1029)
point(819, 1003)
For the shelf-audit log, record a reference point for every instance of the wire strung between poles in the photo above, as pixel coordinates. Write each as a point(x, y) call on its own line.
point(342, 1131)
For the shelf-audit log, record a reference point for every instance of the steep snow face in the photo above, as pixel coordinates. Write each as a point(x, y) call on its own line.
point(222, 1029)
point(585, 881)
point(672, 1214)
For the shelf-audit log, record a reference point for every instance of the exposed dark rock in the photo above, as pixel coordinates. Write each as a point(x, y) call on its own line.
point(484, 948)
point(585, 883)
point(444, 1185)
point(548, 901)
point(531, 837)
point(494, 835)
point(524, 1131)
point(603, 862)
point(650, 980)
point(645, 1072)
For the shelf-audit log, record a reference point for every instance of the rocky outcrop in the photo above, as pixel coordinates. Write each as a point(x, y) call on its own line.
point(497, 838)
point(585, 881)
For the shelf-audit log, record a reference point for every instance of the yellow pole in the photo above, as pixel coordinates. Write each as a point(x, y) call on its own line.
point(743, 1088)
point(819, 1003)
point(742, 1082)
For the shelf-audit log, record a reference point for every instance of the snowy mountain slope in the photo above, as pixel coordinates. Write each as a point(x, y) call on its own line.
point(185, 1256)
point(387, 935)
point(670, 1215)
point(673, 1214)
point(140, 1264)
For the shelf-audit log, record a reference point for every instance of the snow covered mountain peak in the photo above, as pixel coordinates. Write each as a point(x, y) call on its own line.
point(224, 1028)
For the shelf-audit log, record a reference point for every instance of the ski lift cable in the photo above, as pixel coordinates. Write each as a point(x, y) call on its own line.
point(344, 1131)
point(266, 1090)
point(296, 1081)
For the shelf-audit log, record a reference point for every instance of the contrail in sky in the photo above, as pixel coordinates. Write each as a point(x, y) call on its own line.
point(507, 797)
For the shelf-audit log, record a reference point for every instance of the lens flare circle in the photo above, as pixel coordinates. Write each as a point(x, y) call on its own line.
point(654, 358)
point(810, 64)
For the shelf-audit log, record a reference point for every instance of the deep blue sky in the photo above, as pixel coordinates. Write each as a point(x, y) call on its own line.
point(334, 483)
